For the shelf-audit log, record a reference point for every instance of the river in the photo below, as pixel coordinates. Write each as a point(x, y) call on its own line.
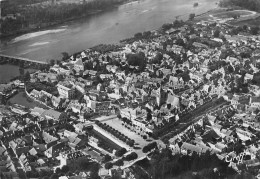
point(106, 27)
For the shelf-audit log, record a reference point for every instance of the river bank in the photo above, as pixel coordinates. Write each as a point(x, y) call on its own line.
point(108, 27)
point(46, 26)
point(22, 99)
point(9, 72)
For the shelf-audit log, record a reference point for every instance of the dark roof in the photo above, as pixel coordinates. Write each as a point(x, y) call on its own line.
point(210, 135)
point(58, 146)
point(51, 144)
point(22, 150)
point(11, 152)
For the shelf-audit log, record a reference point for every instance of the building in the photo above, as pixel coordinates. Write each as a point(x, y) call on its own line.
point(97, 95)
point(255, 102)
point(55, 150)
point(130, 113)
point(79, 66)
point(161, 96)
point(51, 114)
point(103, 107)
point(66, 92)
point(5, 88)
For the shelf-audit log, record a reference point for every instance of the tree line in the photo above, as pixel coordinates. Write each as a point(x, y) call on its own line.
point(165, 165)
point(253, 5)
point(38, 16)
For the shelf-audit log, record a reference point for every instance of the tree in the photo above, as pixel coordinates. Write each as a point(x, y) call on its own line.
point(120, 152)
point(65, 169)
point(149, 147)
point(130, 143)
point(60, 77)
point(32, 174)
point(108, 165)
point(136, 60)
point(149, 116)
point(46, 173)
point(21, 70)
point(256, 79)
point(58, 170)
point(58, 62)
point(147, 34)
point(65, 56)
point(54, 176)
point(254, 30)
point(52, 62)
point(27, 76)
point(157, 59)
point(192, 16)
point(180, 42)
point(138, 35)
point(245, 27)
point(166, 26)
point(178, 23)
point(131, 156)
point(216, 33)
point(107, 158)
point(236, 16)
point(119, 162)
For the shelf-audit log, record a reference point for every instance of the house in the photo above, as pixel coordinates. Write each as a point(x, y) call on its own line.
point(175, 148)
point(66, 92)
point(36, 111)
point(111, 68)
point(55, 150)
point(44, 93)
point(56, 101)
point(190, 148)
point(130, 113)
point(34, 93)
point(78, 65)
point(97, 95)
point(173, 100)
point(254, 102)
point(176, 82)
point(76, 107)
point(106, 76)
point(103, 107)
point(52, 114)
point(140, 125)
point(92, 73)
point(5, 88)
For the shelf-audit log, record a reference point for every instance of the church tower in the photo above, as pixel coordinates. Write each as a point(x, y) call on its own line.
point(161, 96)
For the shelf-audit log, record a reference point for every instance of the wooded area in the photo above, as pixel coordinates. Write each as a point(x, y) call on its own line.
point(27, 17)
point(253, 5)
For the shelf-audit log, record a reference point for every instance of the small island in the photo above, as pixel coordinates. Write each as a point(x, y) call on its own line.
point(195, 4)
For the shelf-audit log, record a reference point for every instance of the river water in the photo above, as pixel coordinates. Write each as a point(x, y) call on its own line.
point(106, 27)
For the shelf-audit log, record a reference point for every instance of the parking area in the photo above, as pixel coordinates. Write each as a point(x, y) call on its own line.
point(117, 124)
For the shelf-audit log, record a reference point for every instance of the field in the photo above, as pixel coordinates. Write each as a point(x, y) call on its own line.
point(221, 14)
point(249, 22)
point(230, 14)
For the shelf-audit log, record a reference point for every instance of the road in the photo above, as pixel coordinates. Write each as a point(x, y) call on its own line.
point(193, 120)
point(115, 123)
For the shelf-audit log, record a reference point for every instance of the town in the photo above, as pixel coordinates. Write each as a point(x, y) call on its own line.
point(187, 90)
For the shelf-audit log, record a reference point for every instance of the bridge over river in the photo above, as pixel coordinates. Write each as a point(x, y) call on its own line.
point(9, 58)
